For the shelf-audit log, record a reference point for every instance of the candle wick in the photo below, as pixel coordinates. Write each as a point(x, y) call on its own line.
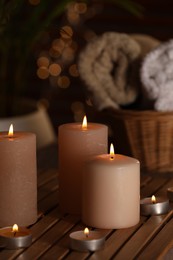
point(14, 233)
point(87, 235)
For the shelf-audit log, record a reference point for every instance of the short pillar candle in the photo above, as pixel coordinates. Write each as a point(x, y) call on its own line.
point(18, 179)
point(77, 143)
point(111, 192)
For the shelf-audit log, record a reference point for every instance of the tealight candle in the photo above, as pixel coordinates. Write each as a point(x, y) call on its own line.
point(154, 206)
point(18, 178)
point(111, 190)
point(15, 237)
point(77, 142)
point(86, 240)
point(170, 193)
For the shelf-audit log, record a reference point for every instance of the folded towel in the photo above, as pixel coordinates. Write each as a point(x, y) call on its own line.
point(106, 66)
point(157, 76)
point(146, 42)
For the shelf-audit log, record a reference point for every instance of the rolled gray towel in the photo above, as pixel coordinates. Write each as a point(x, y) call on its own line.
point(157, 76)
point(106, 65)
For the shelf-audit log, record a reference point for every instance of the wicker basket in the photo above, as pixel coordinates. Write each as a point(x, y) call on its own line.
point(145, 135)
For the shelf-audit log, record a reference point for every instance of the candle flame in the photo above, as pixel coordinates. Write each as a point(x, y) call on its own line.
point(86, 231)
point(153, 199)
point(84, 124)
point(15, 228)
point(10, 132)
point(112, 152)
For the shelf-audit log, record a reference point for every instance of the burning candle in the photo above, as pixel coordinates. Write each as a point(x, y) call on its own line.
point(154, 206)
point(18, 178)
point(15, 237)
point(86, 240)
point(77, 142)
point(111, 189)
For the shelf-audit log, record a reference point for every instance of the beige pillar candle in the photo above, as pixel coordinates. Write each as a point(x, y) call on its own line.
point(111, 192)
point(18, 179)
point(76, 144)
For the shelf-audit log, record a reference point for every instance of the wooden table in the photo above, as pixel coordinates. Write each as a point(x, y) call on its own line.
point(152, 238)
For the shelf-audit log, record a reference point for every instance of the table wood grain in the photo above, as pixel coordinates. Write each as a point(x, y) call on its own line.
point(151, 238)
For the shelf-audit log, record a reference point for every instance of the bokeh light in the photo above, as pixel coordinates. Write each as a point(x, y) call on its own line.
point(54, 69)
point(34, 2)
point(43, 62)
point(80, 8)
point(43, 73)
point(73, 17)
point(58, 45)
point(63, 82)
point(68, 54)
point(73, 70)
point(54, 53)
point(66, 32)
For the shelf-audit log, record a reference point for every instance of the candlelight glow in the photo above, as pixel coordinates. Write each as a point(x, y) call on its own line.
point(112, 151)
point(153, 199)
point(10, 132)
point(84, 124)
point(15, 228)
point(86, 231)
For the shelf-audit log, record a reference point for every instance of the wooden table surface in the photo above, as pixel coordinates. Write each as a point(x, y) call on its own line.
point(152, 238)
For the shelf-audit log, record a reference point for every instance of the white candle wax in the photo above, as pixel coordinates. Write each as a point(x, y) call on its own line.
point(76, 145)
point(111, 192)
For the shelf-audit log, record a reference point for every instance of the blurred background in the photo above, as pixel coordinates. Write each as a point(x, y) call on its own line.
point(41, 41)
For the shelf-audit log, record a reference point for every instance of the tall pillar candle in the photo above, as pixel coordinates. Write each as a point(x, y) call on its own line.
point(18, 179)
point(111, 192)
point(76, 144)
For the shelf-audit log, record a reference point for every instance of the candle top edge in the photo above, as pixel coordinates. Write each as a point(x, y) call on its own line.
point(78, 126)
point(93, 235)
point(118, 159)
point(147, 201)
point(24, 230)
point(17, 134)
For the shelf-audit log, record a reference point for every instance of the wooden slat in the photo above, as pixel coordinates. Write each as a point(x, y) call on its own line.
point(82, 255)
point(144, 180)
point(163, 190)
point(49, 202)
point(142, 237)
point(116, 241)
point(62, 247)
point(159, 243)
point(37, 249)
point(51, 232)
point(48, 188)
point(46, 176)
point(45, 205)
point(152, 187)
point(37, 230)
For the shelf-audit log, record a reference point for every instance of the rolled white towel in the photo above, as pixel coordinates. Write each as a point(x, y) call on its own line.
point(157, 76)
